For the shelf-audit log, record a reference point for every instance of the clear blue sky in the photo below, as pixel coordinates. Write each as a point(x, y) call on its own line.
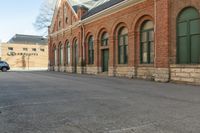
point(18, 16)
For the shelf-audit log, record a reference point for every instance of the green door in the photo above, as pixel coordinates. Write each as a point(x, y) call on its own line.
point(188, 37)
point(105, 58)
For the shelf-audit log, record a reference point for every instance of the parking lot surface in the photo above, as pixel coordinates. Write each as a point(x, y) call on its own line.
point(52, 102)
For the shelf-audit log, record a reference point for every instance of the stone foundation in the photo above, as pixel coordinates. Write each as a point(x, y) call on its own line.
point(92, 70)
point(146, 73)
point(125, 72)
point(161, 75)
point(62, 69)
point(68, 69)
point(185, 73)
point(56, 68)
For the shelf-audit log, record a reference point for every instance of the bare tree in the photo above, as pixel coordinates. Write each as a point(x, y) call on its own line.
point(45, 15)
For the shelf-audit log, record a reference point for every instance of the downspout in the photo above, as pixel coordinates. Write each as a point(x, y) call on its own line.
point(155, 36)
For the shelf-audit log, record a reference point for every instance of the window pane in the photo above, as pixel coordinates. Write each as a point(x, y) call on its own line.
point(147, 25)
point(144, 53)
point(126, 39)
point(123, 31)
point(151, 52)
point(144, 37)
point(61, 56)
point(121, 54)
point(121, 41)
point(55, 56)
point(68, 56)
point(126, 54)
point(151, 35)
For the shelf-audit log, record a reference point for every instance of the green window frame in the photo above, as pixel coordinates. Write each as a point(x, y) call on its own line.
point(123, 46)
point(188, 36)
point(91, 50)
point(147, 43)
point(104, 39)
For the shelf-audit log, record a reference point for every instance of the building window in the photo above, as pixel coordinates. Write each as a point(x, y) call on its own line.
point(188, 37)
point(123, 46)
point(42, 50)
point(68, 53)
point(61, 54)
point(34, 49)
point(65, 14)
point(104, 39)
point(25, 49)
point(91, 50)
point(147, 43)
point(10, 49)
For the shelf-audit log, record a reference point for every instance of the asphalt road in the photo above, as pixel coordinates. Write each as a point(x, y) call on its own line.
point(52, 102)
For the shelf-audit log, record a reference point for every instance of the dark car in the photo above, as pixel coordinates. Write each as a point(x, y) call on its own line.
point(4, 66)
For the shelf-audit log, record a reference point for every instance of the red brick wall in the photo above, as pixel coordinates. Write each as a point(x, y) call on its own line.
point(163, 13)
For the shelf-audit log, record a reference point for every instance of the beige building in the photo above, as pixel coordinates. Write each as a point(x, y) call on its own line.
point(25, 52)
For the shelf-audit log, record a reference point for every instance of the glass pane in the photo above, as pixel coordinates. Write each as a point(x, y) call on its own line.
point(195, 26)
point(182, 29)
point(68, 55)
point(144, 53)
point(121, 54)
point(105, 36)
point(121, 41)
point(126, 39)
point(55, 56)
point(126, 54)
point(144, 37)
point(61, 56)
point(151, 35)
point(183, 50)
point(195, 49)
point(123, 31)
point(147, 25)
point(151, 52)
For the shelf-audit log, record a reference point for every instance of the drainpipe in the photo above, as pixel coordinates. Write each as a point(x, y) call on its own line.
point(155, 32)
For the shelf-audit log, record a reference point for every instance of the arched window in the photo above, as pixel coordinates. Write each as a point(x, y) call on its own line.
point(104, 39)
point(188, 37)
point(123, 46)
point(68, 54)
point(147, 43)
point(61, 54)
point(91, 50)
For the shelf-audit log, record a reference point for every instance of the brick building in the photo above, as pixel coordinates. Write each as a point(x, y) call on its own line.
point(25, 52)
point(149, 39)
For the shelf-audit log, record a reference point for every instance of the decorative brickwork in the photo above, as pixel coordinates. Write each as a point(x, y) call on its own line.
point(130, 15)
